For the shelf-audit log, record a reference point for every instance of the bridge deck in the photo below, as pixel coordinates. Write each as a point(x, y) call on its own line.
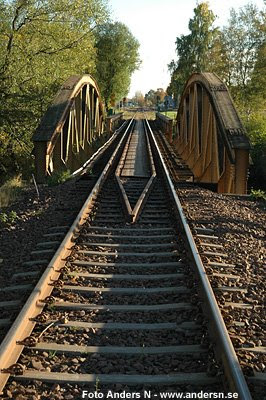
point(136, 162)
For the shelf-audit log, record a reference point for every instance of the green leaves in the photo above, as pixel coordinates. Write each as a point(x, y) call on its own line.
point(245, 49)
point(42, 43)
point(258, 195)
point(242, 39)
point(8, 219)
point(117, 59)
point(195, 51)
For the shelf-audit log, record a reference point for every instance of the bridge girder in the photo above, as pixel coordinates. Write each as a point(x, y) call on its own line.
point(71, 129)
point(210, 137)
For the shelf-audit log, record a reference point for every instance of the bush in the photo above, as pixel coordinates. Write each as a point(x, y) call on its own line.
point(10, 190)
point(256, 128)
point(59, 177)
point(258, 195)
point(15, 158)
point(7, 219)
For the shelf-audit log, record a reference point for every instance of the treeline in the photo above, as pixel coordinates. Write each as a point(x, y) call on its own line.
point(237, 53)
point(151, 98)
point(42, 43)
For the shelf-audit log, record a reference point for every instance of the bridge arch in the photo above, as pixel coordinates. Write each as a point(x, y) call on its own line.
point(210, 137)
point(64, 137)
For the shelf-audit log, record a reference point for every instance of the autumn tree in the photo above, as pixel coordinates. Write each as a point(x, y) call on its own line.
point(244, 46)
point(242, 38)
point(160, 95)
point(154, 97)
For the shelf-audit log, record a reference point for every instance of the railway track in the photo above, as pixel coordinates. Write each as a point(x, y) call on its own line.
point(125, 302)
point(17, 282)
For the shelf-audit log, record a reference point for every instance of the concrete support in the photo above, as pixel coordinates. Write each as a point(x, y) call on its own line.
point(241, 170)
point(41, 161)
point(227, 180)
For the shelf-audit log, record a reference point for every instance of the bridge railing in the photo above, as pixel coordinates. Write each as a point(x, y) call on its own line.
point(113, 121)
point(166, 124)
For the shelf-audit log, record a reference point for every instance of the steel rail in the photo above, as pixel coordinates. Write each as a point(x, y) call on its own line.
point(95, 156)
point(133, 214)
point(11, 347)
point(146, 191)
point(125, 201)
point(233, 372)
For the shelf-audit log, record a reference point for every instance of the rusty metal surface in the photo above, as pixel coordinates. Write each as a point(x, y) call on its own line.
point(55, 116)
point(224, 108)
point(88, 165)
point(72, 128)
point(209, 133)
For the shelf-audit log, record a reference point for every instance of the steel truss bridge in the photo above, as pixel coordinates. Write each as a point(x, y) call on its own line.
point(207, 134)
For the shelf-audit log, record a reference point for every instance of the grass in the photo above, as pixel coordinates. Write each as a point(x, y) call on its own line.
point(8, 219)
point(258, 195)
point(128, 114)
point(169, 114)
point(10, 190)
point(150, 115)
point(59, 177)
point(52, 354)
point(97, 384)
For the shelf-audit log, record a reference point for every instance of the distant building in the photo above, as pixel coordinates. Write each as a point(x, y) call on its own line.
point(169, 102)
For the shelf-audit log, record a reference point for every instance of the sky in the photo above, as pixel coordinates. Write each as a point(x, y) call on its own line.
point(156, 24)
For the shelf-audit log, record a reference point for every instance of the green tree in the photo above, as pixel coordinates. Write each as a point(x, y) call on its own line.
point(42, 43)
point(245, 72)
point(242, 39)
point(150, 98)
point(196, 51)
point(117, 59)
